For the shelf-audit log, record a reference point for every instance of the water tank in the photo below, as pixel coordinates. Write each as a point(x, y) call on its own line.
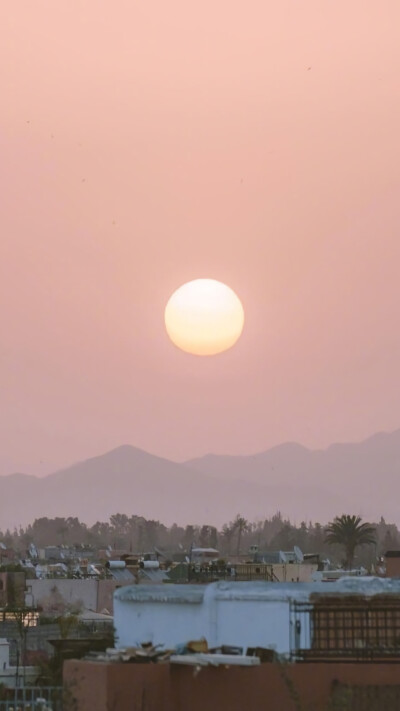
point(153, 564)
point(116, 564)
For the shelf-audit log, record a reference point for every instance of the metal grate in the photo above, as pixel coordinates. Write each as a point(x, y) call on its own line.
point(346, 631)
point(238, 573)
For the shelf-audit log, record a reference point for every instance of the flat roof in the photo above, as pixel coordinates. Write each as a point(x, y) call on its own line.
point(257, 590)
point(165, 592)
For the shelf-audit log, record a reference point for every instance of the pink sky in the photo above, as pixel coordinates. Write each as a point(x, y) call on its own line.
point(144, 144)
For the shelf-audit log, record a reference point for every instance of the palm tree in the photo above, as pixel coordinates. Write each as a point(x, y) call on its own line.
point(349, 532)
point(241, 526)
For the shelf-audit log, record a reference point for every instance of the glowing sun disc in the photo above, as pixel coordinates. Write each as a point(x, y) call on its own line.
point(204, 317)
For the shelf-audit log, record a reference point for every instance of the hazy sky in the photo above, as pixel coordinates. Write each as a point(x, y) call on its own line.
point(144, 144)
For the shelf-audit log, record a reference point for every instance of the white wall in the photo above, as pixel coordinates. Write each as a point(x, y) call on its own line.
point(158, 623)
point(234, 613)
point(240, 622)
point(260, 623)
point(294, 572)
point(4, 654)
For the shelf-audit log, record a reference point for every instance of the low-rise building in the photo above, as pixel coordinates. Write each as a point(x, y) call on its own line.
point(7, 554)
point(293, 620)
point(87, 594)
point(12, 589)
point(12, 676)
point(392, 564)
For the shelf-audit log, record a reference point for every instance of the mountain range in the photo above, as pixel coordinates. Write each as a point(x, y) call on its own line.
point(303, 484)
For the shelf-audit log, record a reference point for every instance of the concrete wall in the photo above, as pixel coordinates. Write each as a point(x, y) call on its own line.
point(93, 686)
point(392, 567)
point(95, 595)
point(166, 625)
point(105, 594)
point(247, 622)
point(294, 572)
point(253, 624)
point(245, 614)
point(71, 591)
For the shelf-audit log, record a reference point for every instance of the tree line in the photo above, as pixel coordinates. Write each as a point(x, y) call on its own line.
point(138, 534)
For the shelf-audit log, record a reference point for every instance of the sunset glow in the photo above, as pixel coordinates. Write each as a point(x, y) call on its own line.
point(204, 317)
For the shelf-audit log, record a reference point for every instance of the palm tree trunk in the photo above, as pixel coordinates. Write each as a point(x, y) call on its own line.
point(350, 556)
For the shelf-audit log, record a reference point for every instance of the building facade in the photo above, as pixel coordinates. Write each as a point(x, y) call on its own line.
point(292, 619)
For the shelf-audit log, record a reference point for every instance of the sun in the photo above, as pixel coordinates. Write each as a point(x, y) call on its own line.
point(204, 317)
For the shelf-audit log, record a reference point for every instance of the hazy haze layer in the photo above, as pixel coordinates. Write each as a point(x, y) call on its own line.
point(303, 484)
point(146, 144)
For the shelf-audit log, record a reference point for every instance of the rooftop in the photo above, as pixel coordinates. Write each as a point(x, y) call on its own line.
point(257, 590)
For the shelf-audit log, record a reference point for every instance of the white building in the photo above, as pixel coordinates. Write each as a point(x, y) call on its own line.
point(13, 676)
point(244, 614)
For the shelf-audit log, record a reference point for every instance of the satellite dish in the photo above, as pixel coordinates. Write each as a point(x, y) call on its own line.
point(298, 554)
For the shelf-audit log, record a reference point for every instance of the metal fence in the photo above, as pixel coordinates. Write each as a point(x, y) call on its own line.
point(33, 698)
point(363, 630)
point(234, 573)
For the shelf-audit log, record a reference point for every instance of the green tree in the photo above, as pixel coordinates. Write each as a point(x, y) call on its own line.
point(151, 533)
point(349, 532)
point(286, 538)
point(101, 533)
point(120, 528)
point(188, 537)
point(61, 531)
point(213, 539)
point(227, 534)
point(120, 523)
point(205, 536)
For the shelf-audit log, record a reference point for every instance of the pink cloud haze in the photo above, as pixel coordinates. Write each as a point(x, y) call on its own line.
point(144, 144)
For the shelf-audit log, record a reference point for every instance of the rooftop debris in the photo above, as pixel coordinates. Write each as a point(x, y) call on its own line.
point(145, 653)
point(196, 646)
point(194, 652)
point(215, 660)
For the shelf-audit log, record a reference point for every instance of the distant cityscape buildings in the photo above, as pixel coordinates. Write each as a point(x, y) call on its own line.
point(134, 590)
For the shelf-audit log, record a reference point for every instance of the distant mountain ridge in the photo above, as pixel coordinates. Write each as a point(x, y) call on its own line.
point(303, 484)
point(380, 446)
